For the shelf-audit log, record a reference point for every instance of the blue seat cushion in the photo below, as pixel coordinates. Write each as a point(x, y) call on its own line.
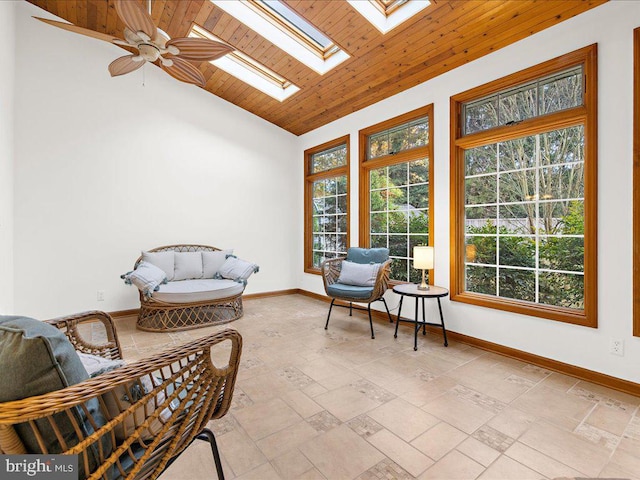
point(367, 255)
point(340, 290)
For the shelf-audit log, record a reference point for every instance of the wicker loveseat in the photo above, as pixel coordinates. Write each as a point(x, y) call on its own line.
point(191, 303)
point(128, 423)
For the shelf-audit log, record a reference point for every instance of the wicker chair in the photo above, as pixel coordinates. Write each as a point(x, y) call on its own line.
point(189, 391)
point(331, 273)
point(158, 316)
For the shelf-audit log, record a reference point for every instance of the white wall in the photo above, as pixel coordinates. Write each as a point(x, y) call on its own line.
point(106, 167)
point(611, 26)
point(7, 84)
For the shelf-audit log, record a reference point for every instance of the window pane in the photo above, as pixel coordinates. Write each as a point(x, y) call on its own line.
point(562, 289)
point(517, 154)
point(481, 279)
point(518, 186)
point(418, 196)
point(562, 253)
point(398, 246)
point(328, 159)
point(518, 284)
point(481, 190)
point(517, 251)
point(561, 92)
point(379, 241)
point(481, 115)
point(378, 223)
point(517, 105)
point(562, 181)
point(419, 171)
point(518, 218)
point(481, 249)
point(399, 269)
point(397, 139)
point(562, 146)
point(329, 217)
point(562, 218)
point(480, 219)
point(480, 160)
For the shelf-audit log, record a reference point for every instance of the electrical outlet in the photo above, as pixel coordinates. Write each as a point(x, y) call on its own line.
point(100, 295)
point(616, 347)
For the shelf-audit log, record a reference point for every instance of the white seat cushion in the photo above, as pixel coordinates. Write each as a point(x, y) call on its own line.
point(187, 291)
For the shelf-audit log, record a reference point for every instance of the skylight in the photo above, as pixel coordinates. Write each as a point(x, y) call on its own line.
point(276, 22)
point(249, 70)
point(386, 15)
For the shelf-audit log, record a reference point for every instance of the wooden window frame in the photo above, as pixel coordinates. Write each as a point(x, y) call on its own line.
point(367, 165)
point(585, 115)
point(309, 178)
point(636, 182)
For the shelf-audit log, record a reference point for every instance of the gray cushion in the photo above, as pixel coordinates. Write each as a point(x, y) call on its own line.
point(359, 274)
point(367, 255)
point(165, 261)
point(38, 358)
point(338, 290)
point(147, 277)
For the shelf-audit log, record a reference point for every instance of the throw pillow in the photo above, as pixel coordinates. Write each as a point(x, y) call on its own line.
point(359, 274)
point(236, 269)
point(147, 277)
point(37, 358)
point(123, 396)
point(212, 261)
point(188, 265)
point(163, 260)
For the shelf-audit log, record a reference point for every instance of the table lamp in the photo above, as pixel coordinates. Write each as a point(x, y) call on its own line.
point(423, 259)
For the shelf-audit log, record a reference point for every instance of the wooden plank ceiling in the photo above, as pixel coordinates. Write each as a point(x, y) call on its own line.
point(445, 35)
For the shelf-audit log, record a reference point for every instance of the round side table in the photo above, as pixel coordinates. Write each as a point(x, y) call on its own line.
point(411, 290)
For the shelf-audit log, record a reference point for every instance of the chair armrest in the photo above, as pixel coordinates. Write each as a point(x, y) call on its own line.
point(188, 391)
point(330, 269)
point(91, 332)
point(382, 280)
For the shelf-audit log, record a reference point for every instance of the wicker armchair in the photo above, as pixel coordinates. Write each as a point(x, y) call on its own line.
point(331, 274)
point(188, 390)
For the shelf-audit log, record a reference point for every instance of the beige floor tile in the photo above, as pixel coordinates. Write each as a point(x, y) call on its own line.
point(615, 471)
point(439, 440)
point(322, 368)
point(559, 381)
point(567, 448)
point(568, 410)
point(379, 372)
point(604, 393)
point(240, 452)
point(341, 454)
point(613, 420)
point(346, 402)
point(265, 386)
point(424, 393)
point(263, 472)
point(312, 474)
point(540, 462)
point(400, 452)
point(345, 377)
point(403, 419)
point(292, 464)
point(195, 462)
point(454, 466)
point(301, 403)
point(463, 415)
point(263, 419)
point(512, 422)
point(478, 451)
point(506, 468)
point(627, 456)
point(286, 439)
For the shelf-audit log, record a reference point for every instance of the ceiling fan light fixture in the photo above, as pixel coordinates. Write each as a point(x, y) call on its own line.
point(149, 52)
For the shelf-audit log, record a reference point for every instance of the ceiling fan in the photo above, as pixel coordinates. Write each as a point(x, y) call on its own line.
point(153, 45)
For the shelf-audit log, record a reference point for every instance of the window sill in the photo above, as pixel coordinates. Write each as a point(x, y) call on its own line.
point(566, 315)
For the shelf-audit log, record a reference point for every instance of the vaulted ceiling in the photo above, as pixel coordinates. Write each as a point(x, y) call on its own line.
point(443, 36)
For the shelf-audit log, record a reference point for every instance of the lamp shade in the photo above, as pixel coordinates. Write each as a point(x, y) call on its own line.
point(423, 258)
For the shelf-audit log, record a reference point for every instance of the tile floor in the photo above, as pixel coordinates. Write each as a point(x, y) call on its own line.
point(316, 404)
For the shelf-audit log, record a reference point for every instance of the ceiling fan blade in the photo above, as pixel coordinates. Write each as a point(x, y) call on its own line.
point(184, 71)
point(82, 31)
point(199, 49)
point(135, 18)
point(123, 65)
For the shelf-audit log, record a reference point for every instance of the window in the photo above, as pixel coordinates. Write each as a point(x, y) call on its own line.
point(326, 208)
point(396, 181)
point(249, 70)
point(283, 27)
point(523, 192)
point(636, 183)
point(386, 15)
